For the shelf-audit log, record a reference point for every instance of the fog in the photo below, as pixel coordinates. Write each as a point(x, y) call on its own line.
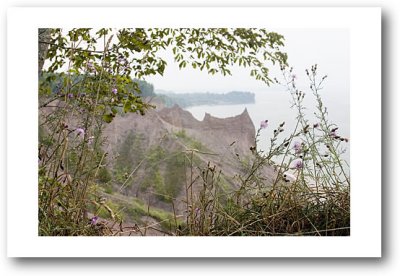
point(329, 48)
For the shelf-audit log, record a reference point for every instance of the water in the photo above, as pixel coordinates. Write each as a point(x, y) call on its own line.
point(275, 107)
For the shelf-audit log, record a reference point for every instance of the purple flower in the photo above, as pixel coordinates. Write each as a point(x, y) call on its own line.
point(333, 135)
point(70, 95)
point(297, 164)
point(298, 147)
point(333, 132)
point(90, 66)
point(114, 90)
point(264, 124)
point(93, 220)
point(80, 131)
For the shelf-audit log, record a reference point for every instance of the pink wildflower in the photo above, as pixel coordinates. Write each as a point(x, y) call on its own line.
point(93, 220)
point(298, 147)
point(80, 131)
point(297, 164)
point(90, 65)
point(264, 124)
point(333, 132)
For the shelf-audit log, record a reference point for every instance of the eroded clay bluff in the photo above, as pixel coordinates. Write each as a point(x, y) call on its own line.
point(236, 133)
point(220, 143)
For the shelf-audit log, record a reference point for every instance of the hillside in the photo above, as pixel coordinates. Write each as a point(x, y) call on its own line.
point(156, 156)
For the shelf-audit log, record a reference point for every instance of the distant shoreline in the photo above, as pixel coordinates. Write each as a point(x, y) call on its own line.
point(185, 100)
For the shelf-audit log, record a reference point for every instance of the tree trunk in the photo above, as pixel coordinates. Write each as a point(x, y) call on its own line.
point(45, 36)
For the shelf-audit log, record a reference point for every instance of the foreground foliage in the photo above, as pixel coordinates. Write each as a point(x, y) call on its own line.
point(310, 194)
point(310, 191)
point(83, 87)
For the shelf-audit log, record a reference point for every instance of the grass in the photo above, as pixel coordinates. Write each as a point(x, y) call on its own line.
point(311, 198)
point(134, 210)
point(285, 209)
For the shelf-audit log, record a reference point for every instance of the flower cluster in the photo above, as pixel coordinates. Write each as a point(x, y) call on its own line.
point(279, 129)
point(334, 135)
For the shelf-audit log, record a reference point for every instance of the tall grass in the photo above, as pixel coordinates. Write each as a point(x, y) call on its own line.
point(70, 151)
point(308, 195)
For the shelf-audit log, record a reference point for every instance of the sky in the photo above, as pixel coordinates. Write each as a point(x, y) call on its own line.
point(329, 48)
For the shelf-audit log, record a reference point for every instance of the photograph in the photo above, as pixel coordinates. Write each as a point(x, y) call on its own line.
point(193, 131)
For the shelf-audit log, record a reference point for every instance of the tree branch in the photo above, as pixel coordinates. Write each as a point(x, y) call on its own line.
point(70, 48)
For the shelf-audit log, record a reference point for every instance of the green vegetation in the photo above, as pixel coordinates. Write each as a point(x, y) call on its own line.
point(130, 153)
point(97, 85)
point(175, 176)
point(190, 142)
point(53, 83)
point(134, 210)
point(308, 195)
point(44, 139)
point(164, 169)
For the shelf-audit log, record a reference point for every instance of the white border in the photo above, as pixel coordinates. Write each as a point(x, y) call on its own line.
point(365, 36)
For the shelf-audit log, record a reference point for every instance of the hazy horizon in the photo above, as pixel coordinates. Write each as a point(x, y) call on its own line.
point(329, 48)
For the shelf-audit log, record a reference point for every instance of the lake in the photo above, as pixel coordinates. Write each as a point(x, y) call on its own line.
point(275, 107)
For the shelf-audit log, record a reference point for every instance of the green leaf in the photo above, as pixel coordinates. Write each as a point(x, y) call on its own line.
point(114, 110)
point(127, 106)
point(108, 117)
